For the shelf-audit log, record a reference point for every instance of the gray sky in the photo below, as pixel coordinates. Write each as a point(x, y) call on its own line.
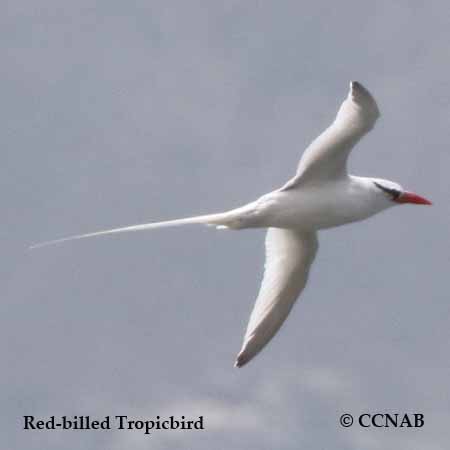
point(117, 113)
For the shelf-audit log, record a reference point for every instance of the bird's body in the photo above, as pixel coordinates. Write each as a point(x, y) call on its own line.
point(321, 195)
point(314, 207)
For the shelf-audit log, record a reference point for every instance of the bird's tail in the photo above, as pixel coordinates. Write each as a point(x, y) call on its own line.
point(229, 219)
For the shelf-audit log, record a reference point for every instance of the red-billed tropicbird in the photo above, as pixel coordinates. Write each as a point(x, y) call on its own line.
point(321, 195)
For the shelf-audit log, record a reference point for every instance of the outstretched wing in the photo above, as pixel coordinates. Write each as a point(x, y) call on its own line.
point(326, 157)
point(289, 255)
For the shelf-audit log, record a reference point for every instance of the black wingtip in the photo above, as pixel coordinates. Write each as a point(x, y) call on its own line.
point(356, 86)
point(240, 361)
point(359, 89)
point(360, 94)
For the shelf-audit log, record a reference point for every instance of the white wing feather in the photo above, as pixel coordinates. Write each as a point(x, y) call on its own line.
point(326, 157)
point(289, 255)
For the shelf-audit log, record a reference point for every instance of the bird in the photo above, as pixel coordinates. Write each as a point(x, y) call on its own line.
point(321, 194)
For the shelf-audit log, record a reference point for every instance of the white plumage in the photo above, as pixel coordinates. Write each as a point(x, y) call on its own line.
point(321, 195)
point(289, 254)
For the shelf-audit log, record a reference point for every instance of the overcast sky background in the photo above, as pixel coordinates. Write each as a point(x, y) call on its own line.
point(115, 113)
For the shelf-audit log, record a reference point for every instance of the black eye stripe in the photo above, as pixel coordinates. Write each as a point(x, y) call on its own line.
point(394, 192)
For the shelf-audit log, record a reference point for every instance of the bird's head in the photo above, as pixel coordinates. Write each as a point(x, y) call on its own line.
point(395, 194)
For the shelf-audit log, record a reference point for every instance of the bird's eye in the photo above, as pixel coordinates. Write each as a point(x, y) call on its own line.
point(394, 193)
